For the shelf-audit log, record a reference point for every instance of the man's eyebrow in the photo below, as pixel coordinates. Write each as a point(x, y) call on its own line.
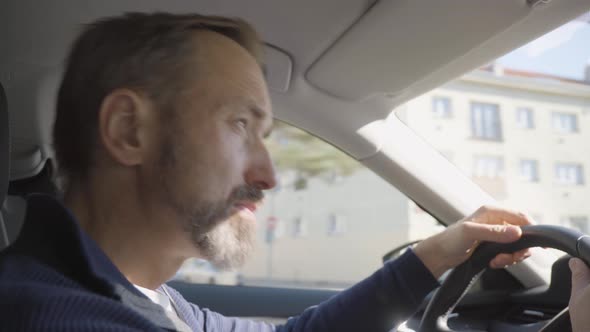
point(262, 116)
point(259, 114)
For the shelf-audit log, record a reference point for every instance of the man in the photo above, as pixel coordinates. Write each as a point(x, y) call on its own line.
point(159, 138)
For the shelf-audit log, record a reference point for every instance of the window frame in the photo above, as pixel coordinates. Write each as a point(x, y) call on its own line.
point(499, 161)
point(446, 113)
point(534, 178)
point(569, 166)
point(529, 122)
point(491, 132)
point(562, 129)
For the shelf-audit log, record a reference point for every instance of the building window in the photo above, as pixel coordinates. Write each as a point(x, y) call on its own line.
point(524, 118)
point(578, 222)
point(529, 170)
point(441, 107)
point(571, 174)
point(299, 227)
point(488, 166)
point(564, 122)
point(485, 121)
point(336, 224)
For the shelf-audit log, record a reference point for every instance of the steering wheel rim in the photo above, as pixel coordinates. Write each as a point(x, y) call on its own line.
point(462, 277)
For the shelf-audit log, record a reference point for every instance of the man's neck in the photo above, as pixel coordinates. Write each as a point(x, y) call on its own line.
point(139, 245)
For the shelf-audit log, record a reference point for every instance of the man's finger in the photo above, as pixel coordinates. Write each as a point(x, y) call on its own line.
point(501, 260)
point(492, 233)
point(496, 215)
point(522, 254)
point(580, 276)
point(504, 259)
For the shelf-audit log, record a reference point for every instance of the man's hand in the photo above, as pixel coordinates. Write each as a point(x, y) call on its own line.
point(454, 245)
point(580, 296)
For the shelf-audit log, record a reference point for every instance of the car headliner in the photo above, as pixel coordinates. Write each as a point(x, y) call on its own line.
point(352, 61)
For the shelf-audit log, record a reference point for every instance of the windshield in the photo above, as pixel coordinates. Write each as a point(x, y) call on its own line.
point(520, 127)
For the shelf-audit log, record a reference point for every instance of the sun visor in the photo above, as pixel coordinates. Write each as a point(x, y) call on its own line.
point(278, 67)
point(399, 43)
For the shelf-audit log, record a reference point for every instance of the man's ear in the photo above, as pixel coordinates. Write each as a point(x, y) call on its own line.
point(124, 125)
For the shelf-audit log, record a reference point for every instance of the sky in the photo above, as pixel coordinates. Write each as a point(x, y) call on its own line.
point(564, 52)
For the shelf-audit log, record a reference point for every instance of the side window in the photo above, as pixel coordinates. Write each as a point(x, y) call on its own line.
point(521, 126)
point(488, 172)
point(485, 121)
point(569, 174)
point(488, 166)
point(441, 107)
point(328, 222)
point(529, 170)
point(524, 118)
point(564, 123)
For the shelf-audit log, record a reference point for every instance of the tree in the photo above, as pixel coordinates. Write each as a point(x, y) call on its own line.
point(296, 150)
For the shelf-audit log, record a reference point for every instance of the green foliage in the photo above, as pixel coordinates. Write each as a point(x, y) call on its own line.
point(294, 149)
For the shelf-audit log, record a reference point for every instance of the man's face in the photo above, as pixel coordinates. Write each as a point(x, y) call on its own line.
point(212, 164)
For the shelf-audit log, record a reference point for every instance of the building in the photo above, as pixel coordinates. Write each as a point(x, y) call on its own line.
point(518, 135)
point(330, 234)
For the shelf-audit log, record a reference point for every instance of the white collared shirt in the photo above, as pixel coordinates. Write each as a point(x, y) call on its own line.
point(162, 298)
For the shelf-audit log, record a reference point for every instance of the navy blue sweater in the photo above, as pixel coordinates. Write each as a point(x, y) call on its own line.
point(56, 278)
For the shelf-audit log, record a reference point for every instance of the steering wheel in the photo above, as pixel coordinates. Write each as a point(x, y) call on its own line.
point(463, 276)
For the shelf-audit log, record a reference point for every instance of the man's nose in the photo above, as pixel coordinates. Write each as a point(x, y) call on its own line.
point(261, 172)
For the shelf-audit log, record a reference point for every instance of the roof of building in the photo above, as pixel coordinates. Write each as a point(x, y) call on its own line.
point(501, 71)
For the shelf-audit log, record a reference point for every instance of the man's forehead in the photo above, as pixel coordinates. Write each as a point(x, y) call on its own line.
point(260, 109)
point(234, 74)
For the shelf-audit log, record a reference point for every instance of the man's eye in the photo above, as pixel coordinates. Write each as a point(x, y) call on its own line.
point(242, 122)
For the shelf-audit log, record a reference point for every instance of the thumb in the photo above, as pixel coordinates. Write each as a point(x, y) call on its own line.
point(580, 275)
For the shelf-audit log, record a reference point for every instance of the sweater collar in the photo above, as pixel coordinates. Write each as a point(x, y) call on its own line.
point(52, 235)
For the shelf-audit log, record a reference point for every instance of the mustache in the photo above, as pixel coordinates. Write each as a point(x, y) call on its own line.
point(211, 215)
point(247, 193)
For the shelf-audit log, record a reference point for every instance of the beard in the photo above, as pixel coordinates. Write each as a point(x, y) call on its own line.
point(219, 234)
point(230, 240)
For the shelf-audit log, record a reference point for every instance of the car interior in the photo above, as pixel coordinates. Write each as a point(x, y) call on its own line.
point(336, 69)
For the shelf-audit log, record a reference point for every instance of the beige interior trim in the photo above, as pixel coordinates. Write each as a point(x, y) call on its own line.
point(360, 64)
